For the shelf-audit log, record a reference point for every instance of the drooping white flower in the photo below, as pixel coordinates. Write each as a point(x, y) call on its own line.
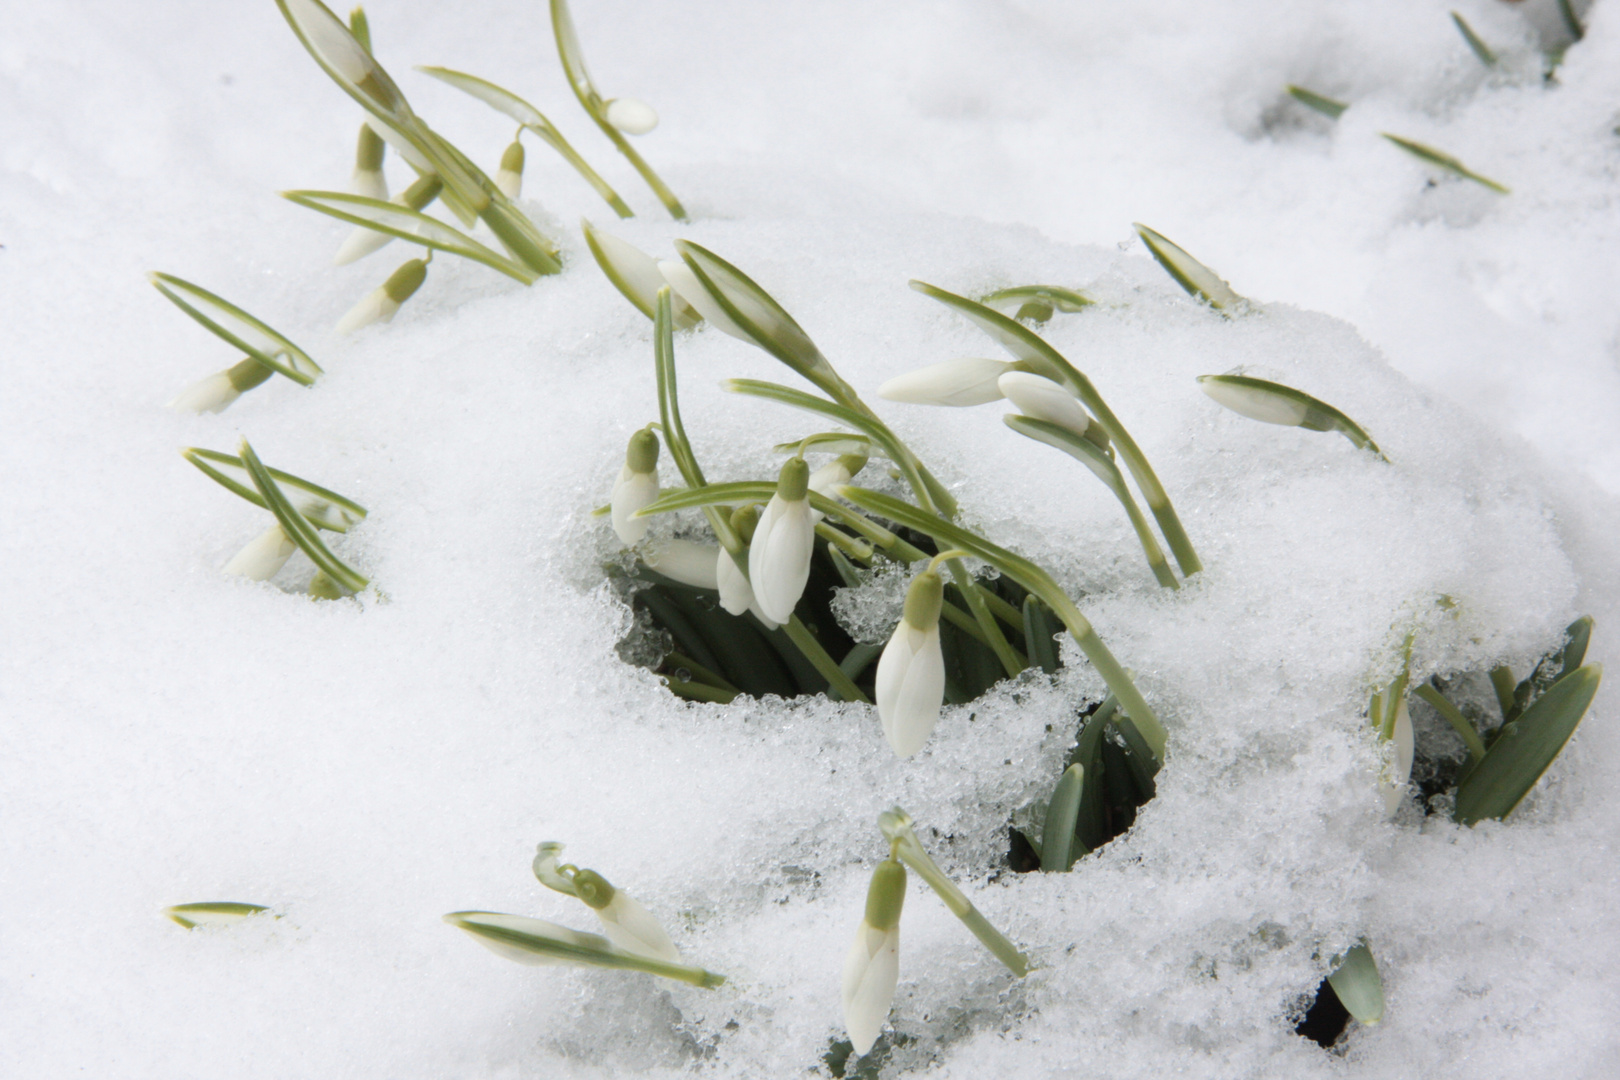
point(1257, 399)
point(736, 594)
point(636, 486)
point(363, 241)
point(1397, 769)
point(383, 303)
point(215, 393)
point(626, 923)
point(872, 966)
point(779, 555)
point(631, 115)
point(911, 671)
point(509, 177)
point(834, 475)
point(263, 558)
point(957, 383)
point(1042, 399)
point(690, 289)
point(687, 562)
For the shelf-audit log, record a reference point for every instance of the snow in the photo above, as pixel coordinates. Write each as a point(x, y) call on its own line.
point(175, 735)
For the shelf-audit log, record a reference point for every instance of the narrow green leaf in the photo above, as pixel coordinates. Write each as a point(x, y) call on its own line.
point(1453, 716)
point(211, 913)
point(1580, 635)
point(407, 224)
point(229, 322)
point(1198, 280)
point(1039, 635)
point(535, 941)
point(1057, 835)
point(799, 399)
point(756, 312)
point(1441, 159)
point(1524, 748)
point(1358, 986)
point(1328, 107)
point(1037, 302)
point(829, 442)
point(297, 528)
point(1274, 403)
point(1481, 50)
point(1571, 22)
point(325, 509)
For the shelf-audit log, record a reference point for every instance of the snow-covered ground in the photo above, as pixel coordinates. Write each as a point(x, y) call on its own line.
point(170, 734)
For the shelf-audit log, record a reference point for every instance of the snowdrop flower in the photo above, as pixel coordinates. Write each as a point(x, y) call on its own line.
point(509, 178)
point(834, 475)
point(911, 671)
point(382, 304)
point(1398, 762)
point(215, 393)
point(368, 177)
point(636, 486)
point(688, 288)
point(779, 555)
point(1042, 399)
point(687, 562)
point(264, 557)
point(872, 967)
point(626, 923)
point(736, 594)
point(631, 115)
point(957, 383)
point(363, 241)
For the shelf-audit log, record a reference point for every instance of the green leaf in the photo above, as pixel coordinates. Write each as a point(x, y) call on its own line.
point(1580, 635)
point(535, 941)
point(1037, 302)
point(1481, 50)
point(297, 528)
point(1274, 403)
point(755, 312)
point(1039, 634)
point(1524, 748)
point(324, 509)
point(407, 224)
point(504, 101)
point(229, 322)
point(211, 913)
point(1200, 281)
point(1057, 835)
point(1358, 986)
point(1327, 106)
point(1443, 160)
point(635, 274)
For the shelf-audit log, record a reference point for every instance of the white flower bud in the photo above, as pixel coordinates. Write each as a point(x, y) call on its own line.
point(779, 554)
point(835, 474)
point(736, 594)
point(263, 558)
point(1397, 769)
point(631, 115)
point(956, 383)
point(1254, 399)
point(872, 966)
point(637, 486)
point(690, 289)
point(911, 672)
point(383, 303)
point(687, 562)
point(1040, 398)
point(509, 178)
point(626, 923)
point(211, 395)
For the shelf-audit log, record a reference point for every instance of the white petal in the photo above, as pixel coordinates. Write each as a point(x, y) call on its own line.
point(375, 306)
point(736, 595)
point(632, 928)
point(779, 557)
point(687, 562)
point(910, 687)
point(510, 183)
point(632, 491)
point(210, 395)
point(1255, 403)
point(679, 277)
point(371, 183)
point(1042, 399)
point(871, 971)
point(264, 557)
point(1398, 768)
point(826, 481)
point(358, 244)
point(951, 382)
point(631, 115)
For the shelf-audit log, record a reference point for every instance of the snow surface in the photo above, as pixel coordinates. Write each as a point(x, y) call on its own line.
point(172, 735)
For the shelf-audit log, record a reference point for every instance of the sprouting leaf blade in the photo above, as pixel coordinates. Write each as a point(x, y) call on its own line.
point(1057, 835)
point(1358, 985)
point(1328, 107)
point(1198, 280)
point(211, 912)
point(535, 941)
point(1475, 42)
point(407, 224)
point(1524, 748)
point(230, 323)
point(1442, 160)
point(325, 509)
point(297, 528)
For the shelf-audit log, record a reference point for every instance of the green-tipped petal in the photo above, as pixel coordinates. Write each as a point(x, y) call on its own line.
point(635, 274)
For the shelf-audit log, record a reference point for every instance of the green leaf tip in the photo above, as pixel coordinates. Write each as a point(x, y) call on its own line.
point(1475, 42)
point(1525, 748)
point(1328, 107)
point(1358, 985)
point(241, 330)
point(1442, 160)
point(211, 913)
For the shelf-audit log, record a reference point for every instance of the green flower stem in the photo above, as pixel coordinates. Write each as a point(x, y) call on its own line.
point(825, 665)
point(696, 691)
point(1035, 580)
point(669, 412)
point(1034, 350)
point(1503, 683)
point(857, 549)
point(896, 826)
point(975, 598)
point(1476, 745)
